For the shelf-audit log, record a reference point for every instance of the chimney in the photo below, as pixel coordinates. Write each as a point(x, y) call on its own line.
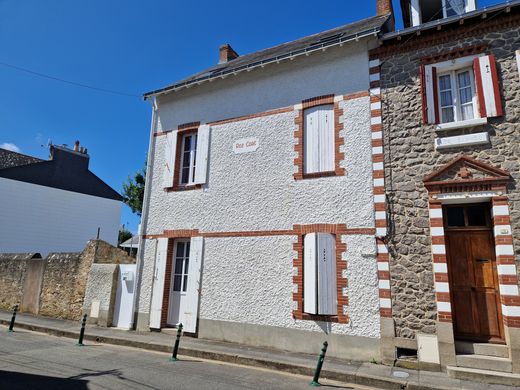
point(227, 53)
point(384, 7)
point(76, 146)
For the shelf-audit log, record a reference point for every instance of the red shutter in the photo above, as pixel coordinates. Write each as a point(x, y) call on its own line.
point(422, 72)
point(435, 84)
point(488, 90)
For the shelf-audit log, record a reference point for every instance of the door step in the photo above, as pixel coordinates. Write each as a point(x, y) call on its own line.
point(486, 376)
point(486, 349)
point(482, 362)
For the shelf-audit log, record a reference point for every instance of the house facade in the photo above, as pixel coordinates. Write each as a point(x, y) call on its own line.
point(449, 89)
point(264, 201)
point(54, 205)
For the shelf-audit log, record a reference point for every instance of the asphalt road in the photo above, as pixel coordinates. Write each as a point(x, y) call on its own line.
point(31, 360)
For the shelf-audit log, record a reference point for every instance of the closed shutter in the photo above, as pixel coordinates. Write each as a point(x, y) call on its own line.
point(327, 294)
point(201, 163)
point(193, 291)
point(326, 138)
point(170, 148)
point(430, 106)
point(309, 274)
point(311, 140)
point(488, 90)
point(161, 252)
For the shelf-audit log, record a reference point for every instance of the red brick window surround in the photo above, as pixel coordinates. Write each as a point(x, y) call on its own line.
point(299, 121)
point(341, 266)
point(183, 130)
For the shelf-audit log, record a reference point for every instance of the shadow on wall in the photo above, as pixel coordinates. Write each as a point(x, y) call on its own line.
point(54, 286)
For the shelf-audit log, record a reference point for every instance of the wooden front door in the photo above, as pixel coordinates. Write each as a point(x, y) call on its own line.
point(474, 291)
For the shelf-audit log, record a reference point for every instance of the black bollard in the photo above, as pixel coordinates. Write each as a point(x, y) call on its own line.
point(13, 318)
point(316, 378)
point(176, 346)
point(82, 331)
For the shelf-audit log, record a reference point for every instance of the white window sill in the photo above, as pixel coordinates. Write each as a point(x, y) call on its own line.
point(461, 124)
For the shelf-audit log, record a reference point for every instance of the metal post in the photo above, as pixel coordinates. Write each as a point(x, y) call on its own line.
point(13, 318)
point(176, 346)
point(316, 378)
point(82, 331)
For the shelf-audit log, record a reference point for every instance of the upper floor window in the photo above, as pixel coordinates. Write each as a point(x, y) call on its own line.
point(319, 139)
point(424, 11)
point(461, 92)
point(188, 159)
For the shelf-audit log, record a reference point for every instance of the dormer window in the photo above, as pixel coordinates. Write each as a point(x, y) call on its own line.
point(424, 11)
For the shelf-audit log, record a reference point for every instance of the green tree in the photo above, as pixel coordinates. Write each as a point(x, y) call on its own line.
point(123, 236)
point(133, 191)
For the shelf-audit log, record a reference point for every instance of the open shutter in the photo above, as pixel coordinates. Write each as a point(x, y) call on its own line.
point(518, 61)
point(488, 91)
point(201, 163)
point(193, 291)
point(430, 108)
point(327, 294)
point(170, 148)
point(161, 251)
point(309, 274)
point(311, 140)
point(326, 138)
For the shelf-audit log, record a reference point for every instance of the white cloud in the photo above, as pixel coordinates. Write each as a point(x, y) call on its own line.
point(11, 147)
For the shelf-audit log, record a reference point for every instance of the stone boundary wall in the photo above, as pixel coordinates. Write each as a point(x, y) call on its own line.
point(63, 279)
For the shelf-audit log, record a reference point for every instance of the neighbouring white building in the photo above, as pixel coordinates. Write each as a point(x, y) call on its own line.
point(261, 211)
point(54, 205)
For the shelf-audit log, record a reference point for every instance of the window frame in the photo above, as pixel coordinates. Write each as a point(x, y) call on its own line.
point(193, 158)
point(184, 274)
point(455, 92)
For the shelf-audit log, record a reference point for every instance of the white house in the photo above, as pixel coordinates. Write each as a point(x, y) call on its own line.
point(54, 205)
point(259, 222)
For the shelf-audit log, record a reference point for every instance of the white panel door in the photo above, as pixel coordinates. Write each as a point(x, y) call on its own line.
point(191, 312)
point(158, 283)
point(309, 274)
point(179, 282)
point(326, 257)
point(311, 142)
point(124, 303)
point(326, 138)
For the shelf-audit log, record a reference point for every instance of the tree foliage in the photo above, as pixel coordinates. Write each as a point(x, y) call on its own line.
point(123, 236)
point(133, 191)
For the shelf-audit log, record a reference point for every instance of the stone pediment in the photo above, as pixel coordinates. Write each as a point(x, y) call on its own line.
point(465, 173)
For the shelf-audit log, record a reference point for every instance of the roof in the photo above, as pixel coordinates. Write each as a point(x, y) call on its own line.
point(132, 242)
point(302, 46)
point(66, 170)
point(10, 159)
point(434, 24)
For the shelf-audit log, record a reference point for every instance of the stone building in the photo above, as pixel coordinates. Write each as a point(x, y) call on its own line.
point(450, 95)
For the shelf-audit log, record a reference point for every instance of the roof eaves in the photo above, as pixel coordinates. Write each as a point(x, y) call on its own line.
point(262, 63)
point(450, 20)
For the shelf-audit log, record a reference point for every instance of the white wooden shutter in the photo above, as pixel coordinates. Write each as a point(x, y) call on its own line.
point(326, 257)
point(326, 138)
point(311, 140)
point(429, 94)
point(518, 61)
point(488, 90)
point(161, 251)
point(193, 291)
point(170, 148)
point(201, 163)
point(309, 274)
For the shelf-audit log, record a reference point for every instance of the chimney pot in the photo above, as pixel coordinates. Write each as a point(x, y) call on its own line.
point(227, 53)
point(76, 146)
point(82, 150)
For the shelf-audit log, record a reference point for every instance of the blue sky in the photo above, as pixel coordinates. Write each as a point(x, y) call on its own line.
point(133, 47)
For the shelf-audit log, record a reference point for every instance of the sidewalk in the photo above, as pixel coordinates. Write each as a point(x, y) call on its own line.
point(366, 374)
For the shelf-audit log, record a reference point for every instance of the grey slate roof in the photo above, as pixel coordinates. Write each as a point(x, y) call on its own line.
point(284, 51)
point(9, 159)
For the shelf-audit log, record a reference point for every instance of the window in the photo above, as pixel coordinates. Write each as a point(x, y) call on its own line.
point(424, 11)
point(457, 95)
point(181, 266)
point(454, 7)
point(188, 159)
point(319, 139)
point(461, 92)
point(467, 216)
point(319, 270)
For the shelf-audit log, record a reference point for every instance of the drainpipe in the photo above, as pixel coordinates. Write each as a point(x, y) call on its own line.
point(144, 215)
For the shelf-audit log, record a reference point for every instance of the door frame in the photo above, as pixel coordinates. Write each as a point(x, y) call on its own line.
point(172, 279)
point(488, 227)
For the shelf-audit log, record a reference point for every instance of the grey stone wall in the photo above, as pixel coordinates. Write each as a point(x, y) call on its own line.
point(410, 156)
point(13, 270)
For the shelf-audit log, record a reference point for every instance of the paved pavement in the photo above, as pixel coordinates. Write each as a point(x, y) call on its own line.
point(30, 360)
